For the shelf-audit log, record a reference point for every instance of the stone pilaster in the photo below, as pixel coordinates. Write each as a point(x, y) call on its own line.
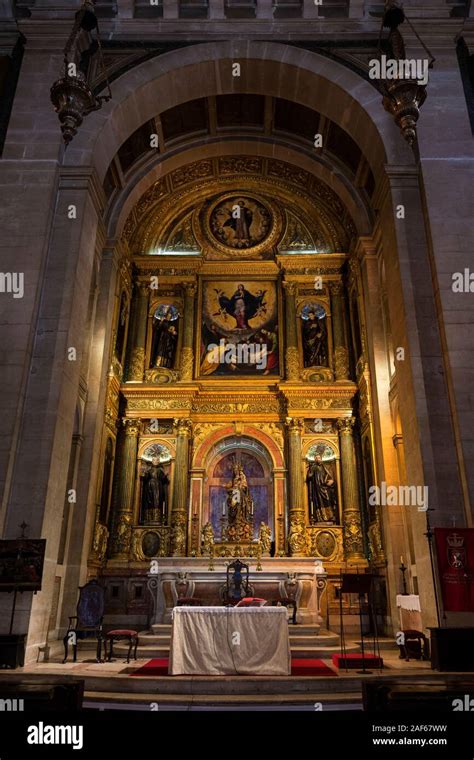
point(353, 541)
point(341, 357)
point(136, 365)
point(187, 356)
point(179, 509)
point(292, 358)
point(297, 531)
point(124, 488)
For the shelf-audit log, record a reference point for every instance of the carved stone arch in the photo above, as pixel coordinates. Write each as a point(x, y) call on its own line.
point(251, 431)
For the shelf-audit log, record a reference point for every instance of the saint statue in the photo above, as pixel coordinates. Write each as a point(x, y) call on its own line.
point(265, 538)
point(154, 491)
point(239, 503)
point(322, 493)
point(165, 338)
point(315, 345)
point(207, 534)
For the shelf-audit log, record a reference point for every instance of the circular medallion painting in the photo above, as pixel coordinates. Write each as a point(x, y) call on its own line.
point(240, 222)
point(150, 544)
point(325, 544)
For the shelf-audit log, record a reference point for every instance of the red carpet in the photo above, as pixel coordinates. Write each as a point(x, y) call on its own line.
point(159, 667)
point(311, 668)
point(355, 661)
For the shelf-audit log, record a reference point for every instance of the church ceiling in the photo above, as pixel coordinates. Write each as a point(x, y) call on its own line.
point(190, 209)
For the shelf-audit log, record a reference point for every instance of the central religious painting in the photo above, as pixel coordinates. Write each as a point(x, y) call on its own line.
point(239, 328)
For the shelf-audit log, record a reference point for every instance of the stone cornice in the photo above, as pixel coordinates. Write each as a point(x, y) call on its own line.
point(83, 178)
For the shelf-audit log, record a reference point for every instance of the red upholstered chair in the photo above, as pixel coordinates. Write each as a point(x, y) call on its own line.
point(251, 601)
point(122, 633)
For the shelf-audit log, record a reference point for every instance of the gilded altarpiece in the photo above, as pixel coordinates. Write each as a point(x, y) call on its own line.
point(239, 372)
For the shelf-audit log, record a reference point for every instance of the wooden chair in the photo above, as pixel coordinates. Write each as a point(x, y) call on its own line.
point(88, 619)
point(415, 646)
point(237, 584)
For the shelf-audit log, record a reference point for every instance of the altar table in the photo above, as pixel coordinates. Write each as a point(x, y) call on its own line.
point(230, 640)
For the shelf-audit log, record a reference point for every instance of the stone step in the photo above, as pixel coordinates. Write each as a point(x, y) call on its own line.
point(150, 638)
point(322, 638)
point(384, 643)
point(315, 651)
point(225, 685)
point(162, 628)
point(174, 700)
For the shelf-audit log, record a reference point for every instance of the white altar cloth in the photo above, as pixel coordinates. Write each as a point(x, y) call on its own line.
point(230, 640)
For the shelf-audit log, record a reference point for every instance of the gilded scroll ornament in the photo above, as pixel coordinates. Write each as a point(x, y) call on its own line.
point(341, 362)
point(292, 363)
point(297, 539)
point(137, 363)
point(99, 544)
point(186, 367)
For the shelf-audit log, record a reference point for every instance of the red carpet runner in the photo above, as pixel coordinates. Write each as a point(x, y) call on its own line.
point(159, 667)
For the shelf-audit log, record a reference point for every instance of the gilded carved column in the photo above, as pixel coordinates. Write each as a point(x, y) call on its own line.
point(341, 356)
point(186, 368)
point(297, 530)
point(124, 488)
point(179, 510)
point(137, 355)
point(353, 541)
point(292, 358)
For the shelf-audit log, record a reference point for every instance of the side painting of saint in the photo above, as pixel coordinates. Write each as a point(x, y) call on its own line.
point(165, 336)
point(239, 329)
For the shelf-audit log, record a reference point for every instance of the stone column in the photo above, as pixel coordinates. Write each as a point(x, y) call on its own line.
point(170, 9)
point(310, 9)
point(291, 354)
point(353, 542)
point(264, 9)
point(296, 533)
point(216, 9)
point(341, 358)
point(124, 489)
point(179, 509)
point(136, 364)
point(356, 8)
point(187, 355)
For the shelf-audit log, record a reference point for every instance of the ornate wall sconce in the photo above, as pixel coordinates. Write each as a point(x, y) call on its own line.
point(402, 96)
point(72, 96)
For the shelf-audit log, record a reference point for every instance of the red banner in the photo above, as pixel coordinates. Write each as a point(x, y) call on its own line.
point(455, 552)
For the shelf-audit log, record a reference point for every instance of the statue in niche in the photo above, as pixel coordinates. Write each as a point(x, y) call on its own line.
point(165, 337)
point(154, 491)
point(315, 340)
point(239, 502)
point(322, 492)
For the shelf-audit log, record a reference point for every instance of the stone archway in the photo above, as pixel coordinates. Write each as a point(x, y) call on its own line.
point(257, 465)
point(307, 78)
